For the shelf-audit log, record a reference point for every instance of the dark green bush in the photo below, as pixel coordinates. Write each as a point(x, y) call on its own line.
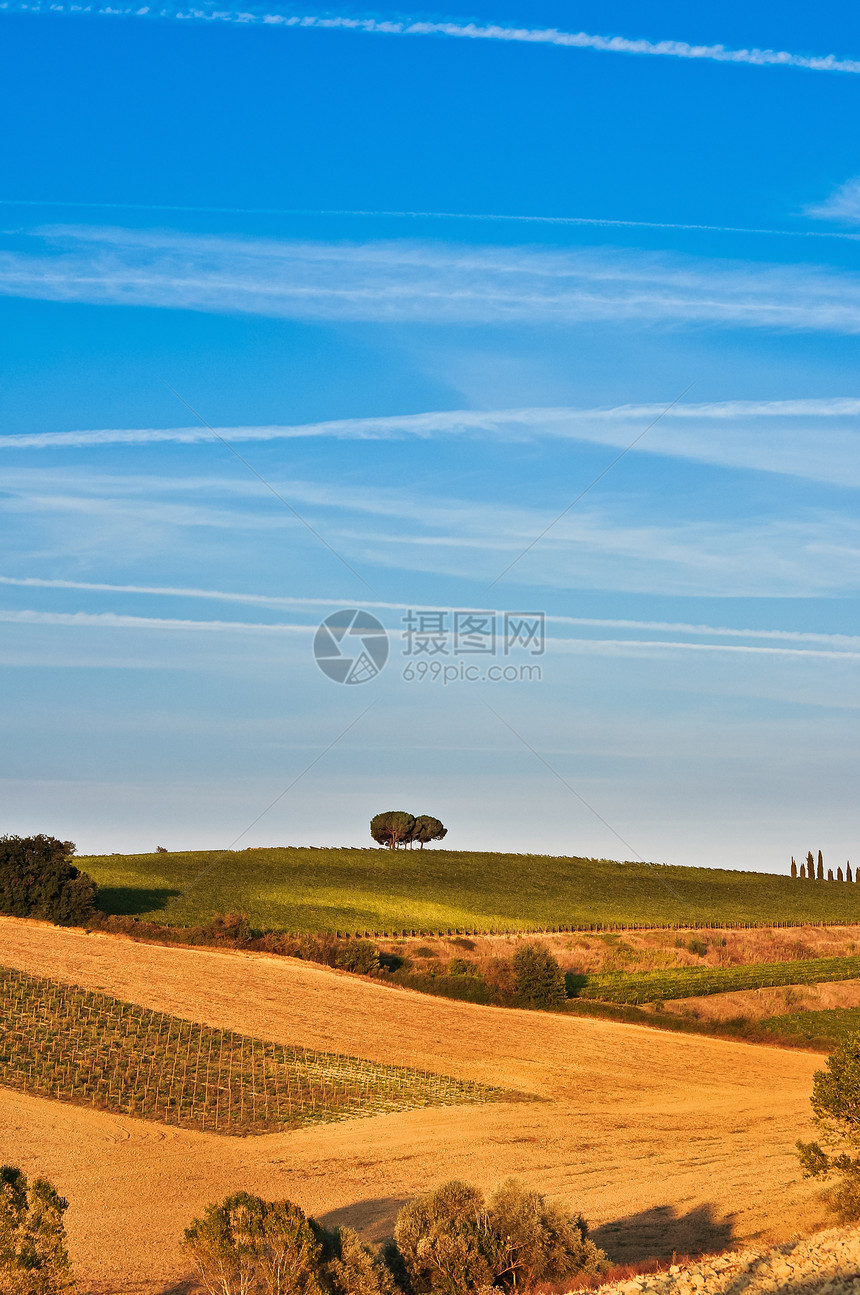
point(539, 978)
point(38, 879)
point(33, 1255)
point(460, 967)
point(359, 956)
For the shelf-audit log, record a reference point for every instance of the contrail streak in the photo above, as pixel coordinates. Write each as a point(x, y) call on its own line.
point(458, 30)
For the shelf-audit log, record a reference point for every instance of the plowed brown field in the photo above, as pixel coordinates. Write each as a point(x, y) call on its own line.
point(664, 1142)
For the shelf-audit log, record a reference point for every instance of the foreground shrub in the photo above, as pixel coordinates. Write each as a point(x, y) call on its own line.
point(33, 1256)
point(836, 1112)
point(353, 1269)
point(247, 1245)
point(539, 978)
point(38, 879)
point(452, 1241)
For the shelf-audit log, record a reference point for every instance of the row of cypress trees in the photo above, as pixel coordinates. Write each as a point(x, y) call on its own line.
point(810, 872)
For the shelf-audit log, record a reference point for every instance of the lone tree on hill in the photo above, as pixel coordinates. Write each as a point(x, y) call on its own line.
point(38, 879)
point(392, 828)
point(428, 828)
point(836, 1111)
point(33, 1255)
point(539, 978)
point(397, 828)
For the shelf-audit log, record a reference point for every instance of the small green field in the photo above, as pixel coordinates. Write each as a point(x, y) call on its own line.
point(830, 1026)
point(57, 1040)
point(690, 982)
point(374, 890)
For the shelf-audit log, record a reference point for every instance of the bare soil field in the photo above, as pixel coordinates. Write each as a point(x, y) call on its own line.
point(665, 1142)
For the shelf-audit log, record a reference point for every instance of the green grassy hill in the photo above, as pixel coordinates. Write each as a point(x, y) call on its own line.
point(301, 889)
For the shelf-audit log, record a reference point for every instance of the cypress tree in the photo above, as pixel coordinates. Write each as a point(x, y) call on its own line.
point(810, 866)
point(793, 867)
point(848, 876)
point(819, 876)
point(839, 876)
point(829, 874)
point(803, 872)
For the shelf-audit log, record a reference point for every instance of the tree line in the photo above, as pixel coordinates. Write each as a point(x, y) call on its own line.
point(810, 872)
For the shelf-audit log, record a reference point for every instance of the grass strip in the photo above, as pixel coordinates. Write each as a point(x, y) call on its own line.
point(828, 1027)
point(62, 1041)
point(692, 982)
point(300, 889)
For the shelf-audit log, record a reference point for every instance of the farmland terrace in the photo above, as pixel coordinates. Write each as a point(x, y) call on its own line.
point(664, 1142)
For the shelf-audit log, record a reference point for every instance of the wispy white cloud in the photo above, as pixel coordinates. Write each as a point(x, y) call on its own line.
point(115, 621)
point(836, 641)
point(600, 222)
point(413, 282)
point(458, 30)
point(843, 204)
point(816, 439)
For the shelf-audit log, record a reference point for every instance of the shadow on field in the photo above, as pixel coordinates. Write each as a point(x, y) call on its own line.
point(660, 1232)
point(129, 901)
point(372, 1219)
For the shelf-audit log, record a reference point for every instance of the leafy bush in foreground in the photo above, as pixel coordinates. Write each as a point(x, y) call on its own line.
point(38, 879)
point(452, 1241)
point(33, 1255)
point(836, 1112)
point(248, 1245)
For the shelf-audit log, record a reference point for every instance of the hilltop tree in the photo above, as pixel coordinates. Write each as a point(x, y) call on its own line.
point(393, 828)
point(38, 879)
point(839, 876)
point(33, 1255)
point(793, 867)
point(836, 1112)
point(802, 871)
point(848, 876)
point(810, 865)
point(819, 875)
point(428, 828)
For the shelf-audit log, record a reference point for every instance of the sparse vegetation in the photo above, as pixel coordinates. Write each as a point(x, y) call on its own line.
point(836, 1112)
point(58, 1040)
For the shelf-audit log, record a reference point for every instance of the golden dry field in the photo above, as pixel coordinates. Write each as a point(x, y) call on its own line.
point(665, 1142)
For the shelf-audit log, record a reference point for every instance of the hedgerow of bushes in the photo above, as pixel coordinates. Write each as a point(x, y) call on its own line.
point(451, 1241)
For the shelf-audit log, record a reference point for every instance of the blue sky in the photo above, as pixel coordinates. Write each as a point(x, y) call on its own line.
point(429, 273)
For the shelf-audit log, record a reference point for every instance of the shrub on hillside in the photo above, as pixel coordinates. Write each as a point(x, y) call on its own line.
point(33, 1255)
point(247, 1245)
point(359, 956)
point(836, 1112)
point(353, 1269)
point(38, 879)
point(539, 978)
point(453, 1241)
